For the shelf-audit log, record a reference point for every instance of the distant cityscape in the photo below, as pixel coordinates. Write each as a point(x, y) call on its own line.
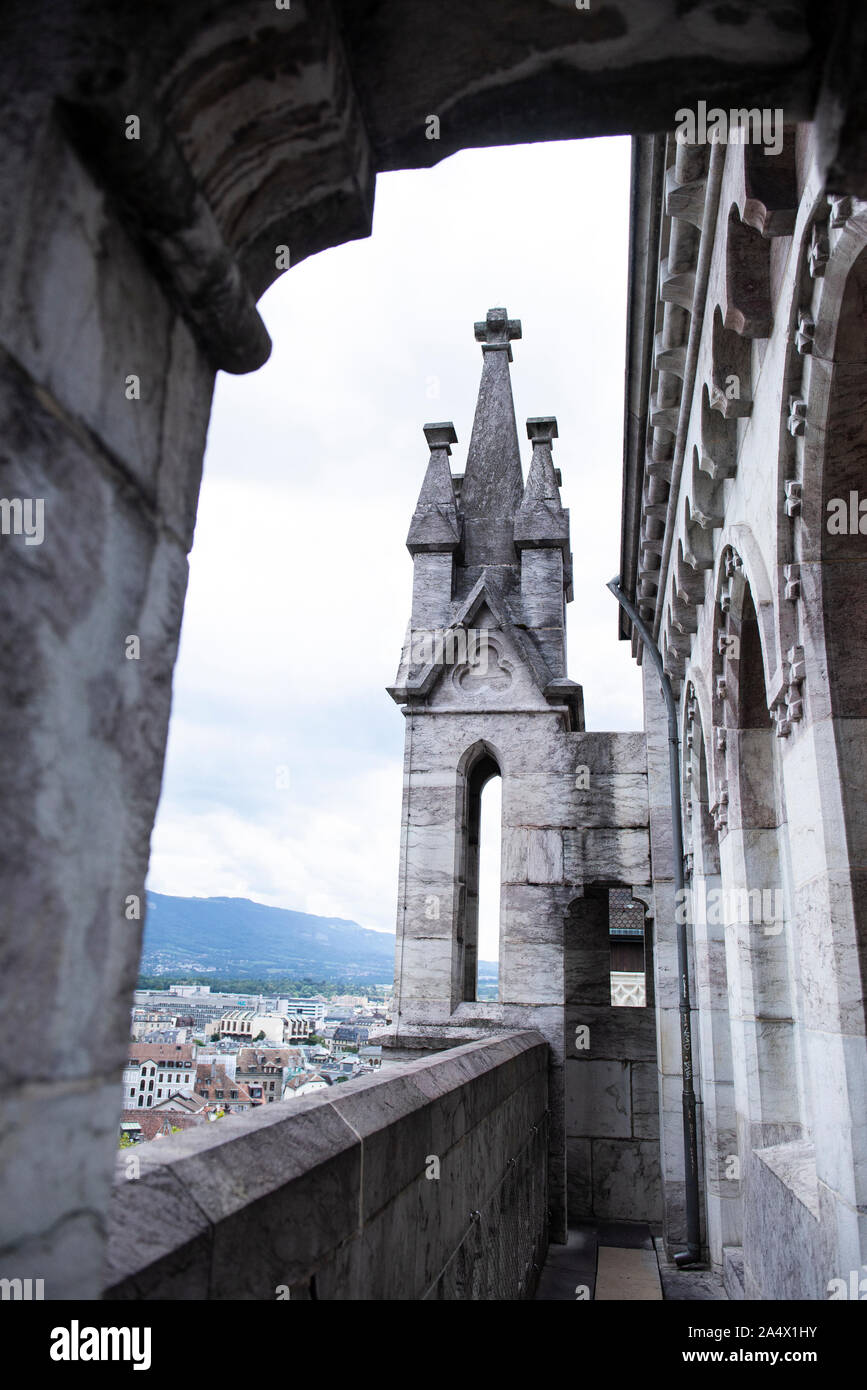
point(196, 1055)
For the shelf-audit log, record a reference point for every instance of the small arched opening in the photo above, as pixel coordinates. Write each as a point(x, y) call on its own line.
point(478, 874)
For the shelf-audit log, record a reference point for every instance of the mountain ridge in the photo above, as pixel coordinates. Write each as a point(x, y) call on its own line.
point(239, 937)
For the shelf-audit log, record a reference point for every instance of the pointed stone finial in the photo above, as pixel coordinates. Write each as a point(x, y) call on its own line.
point(435, 524)
point(497, 331)
point(541, 519)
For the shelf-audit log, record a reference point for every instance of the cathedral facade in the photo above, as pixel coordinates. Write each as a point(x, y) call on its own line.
point(744, 551)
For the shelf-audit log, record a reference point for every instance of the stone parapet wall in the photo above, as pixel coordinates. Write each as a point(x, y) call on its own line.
point(335, 1196)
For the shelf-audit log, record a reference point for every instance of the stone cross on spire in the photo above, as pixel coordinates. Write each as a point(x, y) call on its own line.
point(493, 484)
point(496, 331)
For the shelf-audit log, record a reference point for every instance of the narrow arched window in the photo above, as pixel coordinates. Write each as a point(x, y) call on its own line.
point(490, 857)
point(480, 771)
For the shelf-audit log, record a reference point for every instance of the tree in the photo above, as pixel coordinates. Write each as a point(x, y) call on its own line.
point(260, 1035)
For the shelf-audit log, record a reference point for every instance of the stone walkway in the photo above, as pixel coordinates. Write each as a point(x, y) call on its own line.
point(619, 1261)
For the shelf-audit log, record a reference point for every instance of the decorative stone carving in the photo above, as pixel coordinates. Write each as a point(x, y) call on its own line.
point(794, 497)
point(669, 359)
point(806, 332)
point(783, 724)
point(720, 809)
point(676, 287)
point(819, 251)
point(658, 468)
point(496, 332)
point(720, 738)
point(841, 209)
point(788, 708)
point(664, 417)
point(792, 577)
point(685, 200)
point(479, 678)
point(797, 666)
point(797, 422)
point(725, 597)
point(705, 520)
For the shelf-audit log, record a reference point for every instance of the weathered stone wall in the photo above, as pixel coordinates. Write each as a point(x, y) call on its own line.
point(612, 1103)
point(83, 729)
point(611, 1100)
point(333, 1196)
point(746, 586)
point(575, 813)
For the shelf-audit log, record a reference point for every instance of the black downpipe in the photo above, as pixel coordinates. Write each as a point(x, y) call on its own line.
point(692, 1253)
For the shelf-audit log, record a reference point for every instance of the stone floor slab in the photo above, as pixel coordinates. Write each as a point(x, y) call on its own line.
point(626, 1274)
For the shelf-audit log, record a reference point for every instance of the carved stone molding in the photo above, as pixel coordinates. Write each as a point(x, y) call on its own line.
point(720, 809)
point(797, 421)
point(820, 250)
point(792, 577)
point(841, 210)
point(794, 498)
point(806, 332)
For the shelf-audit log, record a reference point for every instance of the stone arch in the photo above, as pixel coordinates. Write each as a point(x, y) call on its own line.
point(742, 562)
point(754, 852)
point(832, 570)
point(722, 1160)
point(842, 523)
point(477, 766)
point(695, 774)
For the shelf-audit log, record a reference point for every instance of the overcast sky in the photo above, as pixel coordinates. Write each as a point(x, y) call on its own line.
point(283, 773)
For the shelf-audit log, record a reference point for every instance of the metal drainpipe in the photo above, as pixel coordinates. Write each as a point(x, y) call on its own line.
point(692, 1253)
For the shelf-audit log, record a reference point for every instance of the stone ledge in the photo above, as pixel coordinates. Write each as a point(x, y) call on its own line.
point(233, 1209)
point(795, 1166)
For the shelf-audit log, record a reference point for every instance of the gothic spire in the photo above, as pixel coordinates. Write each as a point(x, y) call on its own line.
point(493, 483)
point(435, 525)
point(541, 519)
